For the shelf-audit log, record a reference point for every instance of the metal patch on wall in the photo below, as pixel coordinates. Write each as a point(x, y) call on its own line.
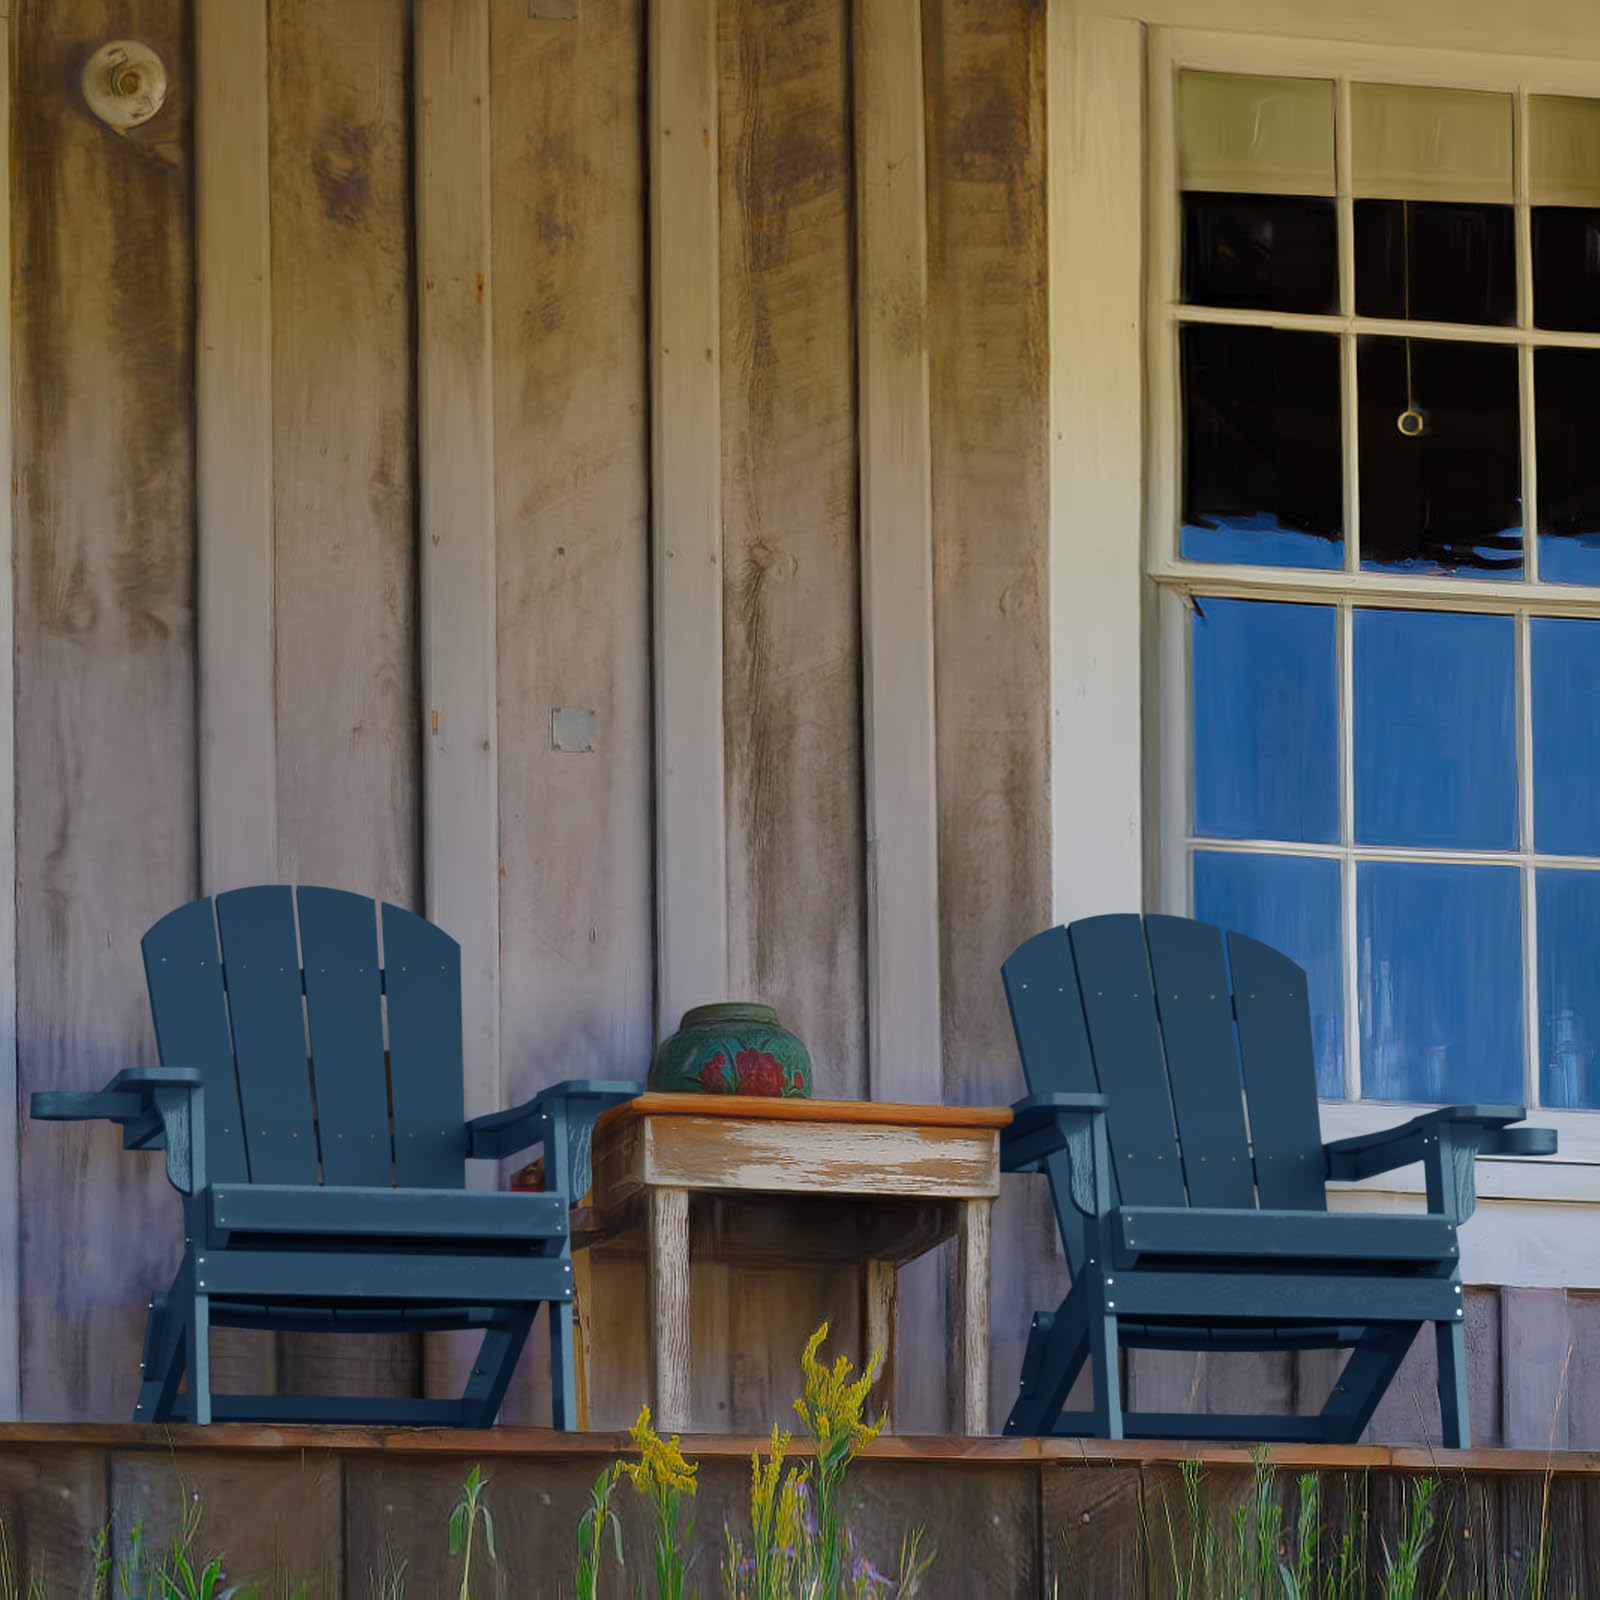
point(572, 729)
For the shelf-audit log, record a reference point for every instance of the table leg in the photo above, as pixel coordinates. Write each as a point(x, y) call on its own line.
point(879, 1301)
point(668, 1265)
point(971, 1346)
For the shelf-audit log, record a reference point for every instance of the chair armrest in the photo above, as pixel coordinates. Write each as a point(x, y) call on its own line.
point(157, 1108)
point(562, 1119)
point(1045, 1127)
point(1447, 1142)
point(1040, 1127)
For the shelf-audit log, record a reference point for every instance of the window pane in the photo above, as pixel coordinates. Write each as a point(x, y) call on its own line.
point(1262, 478)
point(1447, 498)
point(1564, 186)
point(1566, 736)
point(1563, 150)
point(1566, 268)
point(1239, 134)
point(1266, 719)
point(1413, 143)
point(1427, 261)
point(1439, 975)
point(1268, 252)
point(1569, 987)
point(1292, 904)
point(1566, 386)
point(1435, 730)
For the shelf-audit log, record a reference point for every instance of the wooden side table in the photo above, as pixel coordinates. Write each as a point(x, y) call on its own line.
point(798, 1181)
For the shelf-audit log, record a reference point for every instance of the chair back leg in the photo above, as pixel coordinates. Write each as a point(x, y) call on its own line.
point(1364, 1379)
point(1451, 1338)
point(497, 1359)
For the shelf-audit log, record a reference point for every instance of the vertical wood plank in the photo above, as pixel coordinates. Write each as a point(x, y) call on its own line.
point(103, 320)
point(903, 1018)
point(796, 877)
point(984, 67)
point(1536, 1359)
point(344, 433)
point(686, 509)
point(667, 1225)
point(234, 600)
point(233, 450)
point(879, 1307)
point(572, 508)
point(10, 1192)
point(1096, 174)
point(456, 494)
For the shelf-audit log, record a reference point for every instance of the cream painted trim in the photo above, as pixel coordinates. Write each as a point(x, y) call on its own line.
point(10, 1192)
point(1096, 134)
point(456, 561)
point(235, 603)
point(686, 510)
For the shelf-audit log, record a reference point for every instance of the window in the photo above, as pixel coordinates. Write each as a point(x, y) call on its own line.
point(1374, 507)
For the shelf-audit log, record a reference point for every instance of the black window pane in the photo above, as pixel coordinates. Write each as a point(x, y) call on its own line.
point(1262, 479)
point(1566, 386)
point(1264, 251)
point(1427, 261)
point(1447, 498)
point(1566, 268)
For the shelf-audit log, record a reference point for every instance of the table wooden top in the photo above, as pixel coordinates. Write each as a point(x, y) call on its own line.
point(763, 1108)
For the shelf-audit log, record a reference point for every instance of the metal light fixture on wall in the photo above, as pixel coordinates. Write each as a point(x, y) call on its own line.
point(124, 84)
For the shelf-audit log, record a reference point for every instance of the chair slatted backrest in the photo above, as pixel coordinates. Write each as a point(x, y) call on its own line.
point(279, 997)
point(1201, 1043)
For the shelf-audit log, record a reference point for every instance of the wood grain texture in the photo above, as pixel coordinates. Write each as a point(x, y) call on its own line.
point(691, 857)
point(52, 1504)
point(233, 449)
point(282, 1528)
point(668, 1222)
point(879, 1318)
point(1537, 1354)
point(1086, 1517)
point(792, 713)
point(456, 516)
point(572, 503)
point(102, 308)
point(896, 515)
point(344, 430)
point(820, 1158)
point(969, 1344)
point(984, 68)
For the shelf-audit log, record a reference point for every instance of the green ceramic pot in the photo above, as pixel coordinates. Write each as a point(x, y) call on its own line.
point(732, 1049)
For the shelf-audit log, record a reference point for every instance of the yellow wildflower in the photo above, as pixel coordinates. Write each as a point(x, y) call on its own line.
point(660, 1466)
point(832, 1405)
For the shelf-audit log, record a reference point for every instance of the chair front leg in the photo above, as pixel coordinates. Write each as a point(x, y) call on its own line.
point(1454, 1413)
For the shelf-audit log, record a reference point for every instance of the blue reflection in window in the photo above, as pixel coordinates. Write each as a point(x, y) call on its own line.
point(1569, 987)
point(1566, 735)
point(1292, 904)
point(1266, 762)
point(1439, 981)
point(1435, 730)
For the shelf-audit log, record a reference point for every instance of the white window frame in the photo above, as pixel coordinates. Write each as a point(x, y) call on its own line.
point(1119, 639)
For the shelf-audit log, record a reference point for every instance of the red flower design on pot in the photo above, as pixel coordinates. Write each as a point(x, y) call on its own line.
point(759, 1072)
point(712, 1074)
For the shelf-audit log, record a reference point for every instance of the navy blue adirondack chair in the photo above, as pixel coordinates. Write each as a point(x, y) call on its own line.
point(1173, 1107)
point(309, 1102)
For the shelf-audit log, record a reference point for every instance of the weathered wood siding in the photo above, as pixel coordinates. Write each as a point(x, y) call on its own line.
point(123, 806)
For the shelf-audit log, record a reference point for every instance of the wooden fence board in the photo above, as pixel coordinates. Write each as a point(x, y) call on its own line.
point(52, 1506)
point(103, 308)
point(344, 429)
point(984, 69)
